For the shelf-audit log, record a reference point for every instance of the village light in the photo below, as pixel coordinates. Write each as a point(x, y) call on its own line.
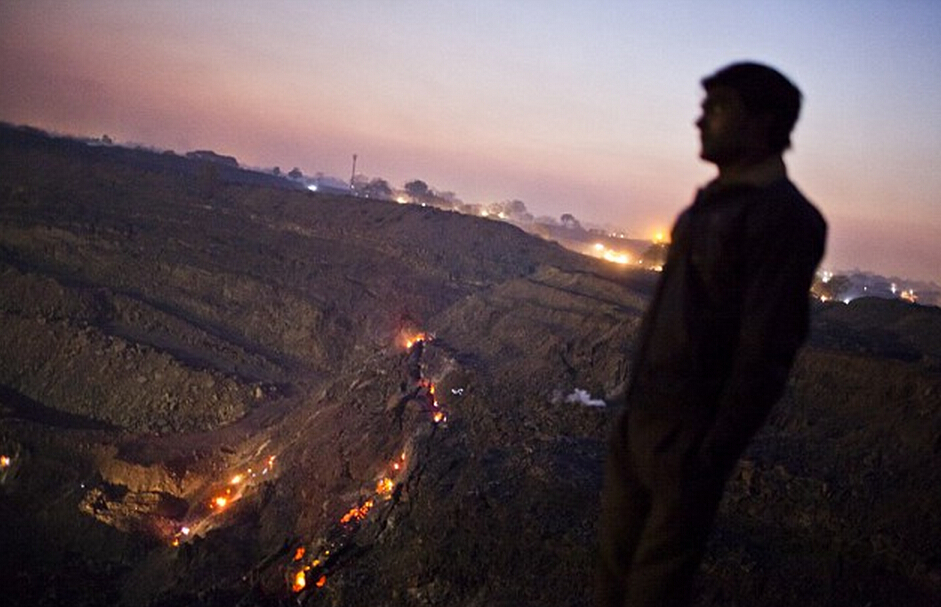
point(614, 257)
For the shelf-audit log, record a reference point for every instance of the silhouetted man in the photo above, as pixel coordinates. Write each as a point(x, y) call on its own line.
point(716, 344)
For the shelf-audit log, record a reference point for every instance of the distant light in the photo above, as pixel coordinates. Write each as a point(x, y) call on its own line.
point(312, 187)
point(401, 200)
point(599, 246)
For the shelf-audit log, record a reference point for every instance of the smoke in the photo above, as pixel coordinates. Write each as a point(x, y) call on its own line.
point(581, 397)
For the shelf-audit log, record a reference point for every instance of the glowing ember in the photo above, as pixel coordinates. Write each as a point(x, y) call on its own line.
point(238, 478)
point(5, 461)
point(300, 581)
point(419, 390)
point(411, 341)
point(357, 514)
point(220, 501)
point(386, 485)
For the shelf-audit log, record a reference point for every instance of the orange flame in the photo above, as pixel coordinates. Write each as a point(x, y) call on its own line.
point(411, 341)
point(5, 461)
point(299, 554)
point(320, 583)
point(357, 513)
point(300, 581)
point(386, 485)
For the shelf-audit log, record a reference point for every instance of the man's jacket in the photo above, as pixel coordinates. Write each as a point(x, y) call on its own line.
point(728, 316)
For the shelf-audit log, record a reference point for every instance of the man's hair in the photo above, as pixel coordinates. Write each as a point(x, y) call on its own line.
point(763, 91)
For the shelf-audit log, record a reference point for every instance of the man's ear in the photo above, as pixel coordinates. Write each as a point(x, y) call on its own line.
point(760, 127)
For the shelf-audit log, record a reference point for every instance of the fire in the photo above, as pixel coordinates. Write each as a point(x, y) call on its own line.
point(5, 461)
point(300, 581)
point(238, 478)
point(221, 501)
point(419, 390)
point(359, 513)
point(411, 341)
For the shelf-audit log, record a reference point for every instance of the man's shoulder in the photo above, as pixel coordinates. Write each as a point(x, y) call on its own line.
point(782, 214)
point(786, 199)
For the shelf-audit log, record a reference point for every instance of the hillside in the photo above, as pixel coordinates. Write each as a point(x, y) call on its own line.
point(206, 390)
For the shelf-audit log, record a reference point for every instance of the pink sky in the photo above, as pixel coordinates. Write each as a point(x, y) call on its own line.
point(573, 107)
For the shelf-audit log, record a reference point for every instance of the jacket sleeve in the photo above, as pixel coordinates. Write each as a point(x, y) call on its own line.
point(782, 248)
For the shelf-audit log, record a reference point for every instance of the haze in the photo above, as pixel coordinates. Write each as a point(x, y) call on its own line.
point(573, 107)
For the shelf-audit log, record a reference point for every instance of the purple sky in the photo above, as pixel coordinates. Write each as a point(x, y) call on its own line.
point(582, 107)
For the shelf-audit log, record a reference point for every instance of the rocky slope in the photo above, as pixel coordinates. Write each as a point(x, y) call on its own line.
point(206, 391)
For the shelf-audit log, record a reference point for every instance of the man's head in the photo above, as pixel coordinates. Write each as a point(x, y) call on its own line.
point(753, 104)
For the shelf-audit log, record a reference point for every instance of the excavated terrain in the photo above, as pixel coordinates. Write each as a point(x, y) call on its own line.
point(211, 393)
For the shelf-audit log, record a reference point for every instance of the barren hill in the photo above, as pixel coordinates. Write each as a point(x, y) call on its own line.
point(217, 389)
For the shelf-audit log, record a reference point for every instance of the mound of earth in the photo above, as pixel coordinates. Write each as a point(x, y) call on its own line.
point(217, 389)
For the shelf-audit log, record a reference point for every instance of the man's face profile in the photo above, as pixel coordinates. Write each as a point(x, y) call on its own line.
point(724, 127)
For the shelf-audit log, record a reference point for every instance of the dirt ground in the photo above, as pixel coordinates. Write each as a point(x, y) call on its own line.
point(206, 390)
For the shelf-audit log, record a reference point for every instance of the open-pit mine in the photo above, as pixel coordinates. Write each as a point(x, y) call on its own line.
point(218, 388)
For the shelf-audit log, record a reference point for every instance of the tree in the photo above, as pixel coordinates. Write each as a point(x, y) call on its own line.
point(295, 173)
point(377, 188)
point(417, 189)
point(568, 221)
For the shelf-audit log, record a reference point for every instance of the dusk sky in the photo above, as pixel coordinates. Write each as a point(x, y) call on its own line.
point(582, 107)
